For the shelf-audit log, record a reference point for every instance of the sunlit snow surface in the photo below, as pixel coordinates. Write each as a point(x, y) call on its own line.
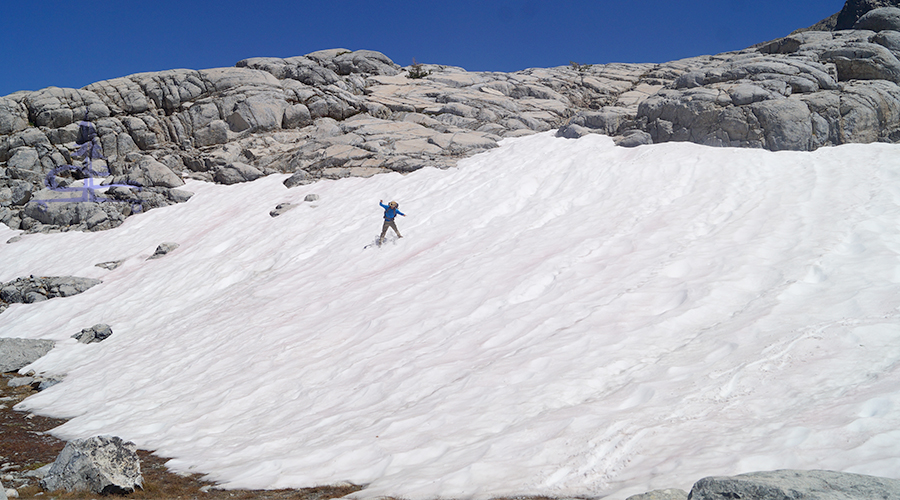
point(562, 317)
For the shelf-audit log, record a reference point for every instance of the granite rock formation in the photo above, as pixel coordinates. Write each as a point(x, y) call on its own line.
point(337, 113)
point(796, 484)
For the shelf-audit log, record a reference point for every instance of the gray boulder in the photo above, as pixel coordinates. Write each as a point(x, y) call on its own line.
point(668, 494)
point(364, 61)
point(212, 134)
point(300, 178)
point(236, 172)
point(881, 19)
point(16, 354)
point(795, 485)
point(13, 116)
point(178, 195)
point(634, 138)
point(66, 286)
point(854, 9)
point(110, 265)
point(296, 115)
point(150, 173)
point(163, 249)
point(864, 61)
point(24, 158)
point(281, 208)
point(888, 39)
point(34, 297)
point(20, 381)
point(94, 334)
point(260, 112)
point(573, 131)
point(38, 383)
point(20, 192)
point(786, 123)
point(102, 464)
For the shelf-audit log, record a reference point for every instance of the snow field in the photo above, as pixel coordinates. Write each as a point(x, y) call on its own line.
point(562, 318)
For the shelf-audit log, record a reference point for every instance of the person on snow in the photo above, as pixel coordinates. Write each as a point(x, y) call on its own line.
point(390, 212)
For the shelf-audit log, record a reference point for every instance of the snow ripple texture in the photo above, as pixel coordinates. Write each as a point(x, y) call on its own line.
point(563, 317)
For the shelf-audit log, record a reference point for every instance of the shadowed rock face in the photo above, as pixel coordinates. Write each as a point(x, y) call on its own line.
point(855, 9)
point(336, 113)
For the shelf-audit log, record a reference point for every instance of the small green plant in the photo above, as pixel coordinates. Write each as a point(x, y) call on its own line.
point(581, 68)
point(416, 70)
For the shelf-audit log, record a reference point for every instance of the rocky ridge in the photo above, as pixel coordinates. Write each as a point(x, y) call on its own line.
point(337, 113)
point(328, 114)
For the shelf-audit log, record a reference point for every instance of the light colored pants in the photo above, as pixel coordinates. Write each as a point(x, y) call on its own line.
point(389, 224)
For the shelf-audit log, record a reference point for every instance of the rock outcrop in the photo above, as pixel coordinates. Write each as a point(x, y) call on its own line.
point(16, 354)
point(102, 464)
point(94, 334)
point(337, 113)
point(38, 289)
point(669, 494)
point(796, 484)
point(163, 249)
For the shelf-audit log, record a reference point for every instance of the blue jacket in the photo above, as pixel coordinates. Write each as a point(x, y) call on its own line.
point(390, 213)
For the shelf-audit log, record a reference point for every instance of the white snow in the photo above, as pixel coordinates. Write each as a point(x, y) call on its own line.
point(562, 318)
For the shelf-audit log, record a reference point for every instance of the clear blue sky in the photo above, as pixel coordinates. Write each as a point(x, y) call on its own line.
point(71, 44)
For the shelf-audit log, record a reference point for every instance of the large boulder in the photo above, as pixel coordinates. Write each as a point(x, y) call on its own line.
point(236, 172)
point(864, 61)
point(102, 464)
point(260, 112)
point(94, 334)
point(150, 173)
point(364, 61)
point(786, 123)
point(796, 485)
point(16, 354)
point(668, 494)
point(855, 9)
point(881, 19)
point(13, 116)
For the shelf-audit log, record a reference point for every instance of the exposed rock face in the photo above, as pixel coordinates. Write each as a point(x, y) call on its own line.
point(94, 334)
point(669, 494)
point(16, 354)
point(162, 250)
point(855, 9)
point(102, 464)
point(38, 289)
point(795, 484)
point(801, 92)
point(110, 265)
point(337, 113)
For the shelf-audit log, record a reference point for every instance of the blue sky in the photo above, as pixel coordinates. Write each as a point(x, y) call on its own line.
point(72, 44)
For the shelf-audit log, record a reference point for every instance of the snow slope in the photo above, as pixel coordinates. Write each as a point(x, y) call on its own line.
point(563, 317)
